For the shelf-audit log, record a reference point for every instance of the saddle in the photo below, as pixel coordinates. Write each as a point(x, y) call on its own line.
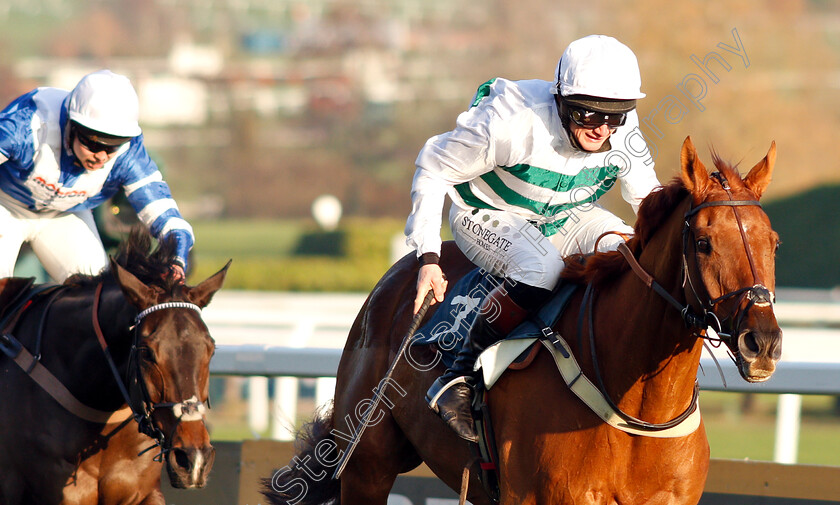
point(16, 294)
point(516, 352)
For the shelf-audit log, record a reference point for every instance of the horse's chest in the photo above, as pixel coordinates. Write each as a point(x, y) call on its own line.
point(608, 473)
point(120, 484)
point(630, 495)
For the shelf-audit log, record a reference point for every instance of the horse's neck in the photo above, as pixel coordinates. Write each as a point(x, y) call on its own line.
point(662, 256)
point(647, 345)
point(116, 317)
point(88, 372)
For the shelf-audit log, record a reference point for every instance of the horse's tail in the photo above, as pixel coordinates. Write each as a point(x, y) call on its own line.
point(307, 480)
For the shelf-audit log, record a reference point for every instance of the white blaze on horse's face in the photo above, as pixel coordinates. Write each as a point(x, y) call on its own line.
point(198, 468)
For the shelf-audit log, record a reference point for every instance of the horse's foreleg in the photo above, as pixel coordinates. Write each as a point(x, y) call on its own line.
point(382, 454)
point(370, 489)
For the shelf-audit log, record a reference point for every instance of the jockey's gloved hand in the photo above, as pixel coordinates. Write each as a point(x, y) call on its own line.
point(178, 273)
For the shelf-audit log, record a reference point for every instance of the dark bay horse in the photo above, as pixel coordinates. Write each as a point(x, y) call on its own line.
point(160, 349)
point(708, 245)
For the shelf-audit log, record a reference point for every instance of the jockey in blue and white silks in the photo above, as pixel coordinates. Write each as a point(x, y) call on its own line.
point(64, 153)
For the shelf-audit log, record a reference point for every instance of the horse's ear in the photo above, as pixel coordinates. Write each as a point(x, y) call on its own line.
point(139, 294)
point(695, 177)
point(760, 175)
point(203, 293)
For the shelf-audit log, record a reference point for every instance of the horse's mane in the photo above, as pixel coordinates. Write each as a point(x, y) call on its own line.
point(654, 210)
point(140, 254)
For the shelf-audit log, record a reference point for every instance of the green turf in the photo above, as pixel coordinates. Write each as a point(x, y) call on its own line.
point(738, 433)
point(295, 255)
point(231, 238)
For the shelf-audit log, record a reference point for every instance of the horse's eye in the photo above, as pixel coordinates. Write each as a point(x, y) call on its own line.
point(704, 246)
point(146, 354)
point(778, 243)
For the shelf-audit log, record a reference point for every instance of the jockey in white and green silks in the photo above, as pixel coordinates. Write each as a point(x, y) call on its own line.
point(524, 167)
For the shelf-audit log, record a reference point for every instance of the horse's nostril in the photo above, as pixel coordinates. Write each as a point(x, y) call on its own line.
point(182, 459)
point(750, 343)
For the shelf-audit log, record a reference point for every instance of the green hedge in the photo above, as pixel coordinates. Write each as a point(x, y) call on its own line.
point(280, 256)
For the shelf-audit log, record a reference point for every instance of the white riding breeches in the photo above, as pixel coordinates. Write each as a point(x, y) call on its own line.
point(65, 242)
point(509, 246)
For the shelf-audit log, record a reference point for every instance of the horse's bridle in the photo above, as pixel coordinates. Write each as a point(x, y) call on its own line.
point(143, 407)
point(758, 294)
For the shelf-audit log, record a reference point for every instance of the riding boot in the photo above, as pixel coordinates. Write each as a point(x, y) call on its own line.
point(450, 395)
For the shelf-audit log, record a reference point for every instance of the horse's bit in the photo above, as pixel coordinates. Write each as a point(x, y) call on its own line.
point(190, 409)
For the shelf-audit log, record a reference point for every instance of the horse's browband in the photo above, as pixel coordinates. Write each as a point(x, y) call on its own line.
point(721, 203)
point(166, 305)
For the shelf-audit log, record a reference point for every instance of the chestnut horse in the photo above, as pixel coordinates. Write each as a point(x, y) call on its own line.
point(60, 447)
point(709, 247)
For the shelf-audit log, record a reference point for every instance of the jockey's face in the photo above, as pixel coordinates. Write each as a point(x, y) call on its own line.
point(87, 158)
point(590, 139)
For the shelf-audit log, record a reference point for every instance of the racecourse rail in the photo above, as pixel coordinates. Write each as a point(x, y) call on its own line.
point(287, 336)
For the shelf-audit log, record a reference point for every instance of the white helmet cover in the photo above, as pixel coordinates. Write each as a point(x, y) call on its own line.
point(599, 66)
point(106, 102)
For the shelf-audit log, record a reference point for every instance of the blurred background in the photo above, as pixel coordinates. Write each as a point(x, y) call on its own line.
point(255, 108)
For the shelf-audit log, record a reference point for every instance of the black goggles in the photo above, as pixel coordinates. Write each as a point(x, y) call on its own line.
point(591, 119)
point(94, 146)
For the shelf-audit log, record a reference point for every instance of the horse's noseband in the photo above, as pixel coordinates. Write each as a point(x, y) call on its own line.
point(760, 296)
point(189, 410)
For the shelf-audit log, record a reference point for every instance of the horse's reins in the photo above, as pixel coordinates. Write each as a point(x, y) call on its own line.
point(187, 410)
point(587, 307)
point(756, 294)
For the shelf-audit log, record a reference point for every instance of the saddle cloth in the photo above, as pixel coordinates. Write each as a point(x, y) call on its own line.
point(449, 326)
